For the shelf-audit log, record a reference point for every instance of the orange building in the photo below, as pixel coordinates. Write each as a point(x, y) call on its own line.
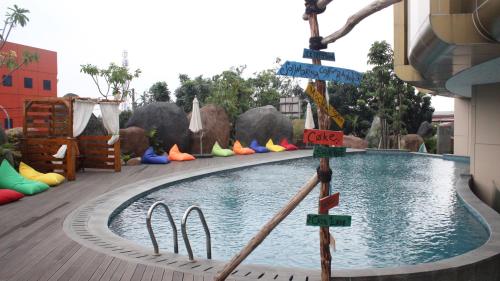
point(35, 80)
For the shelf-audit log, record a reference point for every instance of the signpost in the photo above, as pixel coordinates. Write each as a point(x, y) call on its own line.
point(320, 72)
point(326, 203)
point(325, 137)
point(313, 54)
point(328, 220)
point(320, 101)
point(328, 152)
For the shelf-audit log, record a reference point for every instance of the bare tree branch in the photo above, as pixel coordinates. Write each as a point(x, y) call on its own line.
point(321, 4)
point(353, 20)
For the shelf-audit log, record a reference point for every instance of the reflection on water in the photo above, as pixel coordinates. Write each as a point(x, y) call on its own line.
point(404, 211)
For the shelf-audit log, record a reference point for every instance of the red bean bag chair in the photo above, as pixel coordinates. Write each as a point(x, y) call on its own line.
point(7, 196)
point(176, 155)
point(288, 146)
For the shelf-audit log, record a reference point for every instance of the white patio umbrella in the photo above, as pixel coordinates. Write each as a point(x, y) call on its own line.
point(309, 118)
point(195, 124)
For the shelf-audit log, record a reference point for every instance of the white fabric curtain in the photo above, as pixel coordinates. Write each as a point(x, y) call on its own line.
point(110, 117)
point(82, 110)
point(309, 124)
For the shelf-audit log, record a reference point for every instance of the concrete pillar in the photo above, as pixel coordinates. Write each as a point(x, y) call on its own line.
point(485, 142)
point(461, 135)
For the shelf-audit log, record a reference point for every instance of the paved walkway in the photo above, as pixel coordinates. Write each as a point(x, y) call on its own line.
point(33, 245)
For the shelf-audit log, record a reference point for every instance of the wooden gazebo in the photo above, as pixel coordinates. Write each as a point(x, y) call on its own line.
point(48, 124)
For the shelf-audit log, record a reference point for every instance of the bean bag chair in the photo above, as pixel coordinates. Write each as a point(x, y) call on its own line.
point(150, 157)
point(238, 149)
point(7, 196)
point(288, 146)
point(274, 147)
point(52, 179)
point(176, 155)
point(221, 152)
point(257, 148)
point(11, 179)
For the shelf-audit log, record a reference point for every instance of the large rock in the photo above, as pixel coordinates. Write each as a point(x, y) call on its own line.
point(14, 137)
point(133, 141)
point(263, 123)
point(411, 142)
point(444, 135)
point(374, 134)
point(425, 130)
point(3, 136)
point(95, 127)
point(170, 121)
point(216, 127)
point(355, 142)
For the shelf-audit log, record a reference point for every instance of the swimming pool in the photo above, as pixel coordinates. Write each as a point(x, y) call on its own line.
point(404, 211)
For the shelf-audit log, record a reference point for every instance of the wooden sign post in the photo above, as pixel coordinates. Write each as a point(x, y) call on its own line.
point(326, 137)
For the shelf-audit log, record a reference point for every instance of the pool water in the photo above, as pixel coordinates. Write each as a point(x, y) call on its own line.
point(404, 211)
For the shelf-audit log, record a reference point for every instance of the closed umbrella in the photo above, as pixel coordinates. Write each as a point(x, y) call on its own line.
point(195, 124)
point(309, 118)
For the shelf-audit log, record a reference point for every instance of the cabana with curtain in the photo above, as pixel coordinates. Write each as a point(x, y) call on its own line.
point(52, 141)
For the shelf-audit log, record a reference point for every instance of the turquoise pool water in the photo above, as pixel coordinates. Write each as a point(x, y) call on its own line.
point(404, 211)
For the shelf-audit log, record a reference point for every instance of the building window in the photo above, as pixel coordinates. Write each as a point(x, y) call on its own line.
point(7, 80)
point(28, 82)
point(46, 85)
point(8, 123)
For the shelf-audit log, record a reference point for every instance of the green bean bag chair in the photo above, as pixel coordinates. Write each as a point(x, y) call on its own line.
point(11, 179)
point(219, 151)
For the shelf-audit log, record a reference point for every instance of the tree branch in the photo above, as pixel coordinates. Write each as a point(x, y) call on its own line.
point(321, 4)
point(353, 20)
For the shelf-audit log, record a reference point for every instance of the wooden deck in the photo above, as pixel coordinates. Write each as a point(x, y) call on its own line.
point(33, 245)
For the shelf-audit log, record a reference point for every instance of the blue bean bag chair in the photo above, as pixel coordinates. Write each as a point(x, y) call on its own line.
point(257, 148)
point(150, 157)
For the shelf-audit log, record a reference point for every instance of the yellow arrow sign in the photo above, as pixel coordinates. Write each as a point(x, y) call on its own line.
point(320, 101)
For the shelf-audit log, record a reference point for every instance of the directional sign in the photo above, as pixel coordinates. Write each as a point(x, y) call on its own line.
point(320, 72)
point(325, 137)
point(320, 101)
point(313, 54)
point(326, 203)
point(328, 220)
point(328, 152)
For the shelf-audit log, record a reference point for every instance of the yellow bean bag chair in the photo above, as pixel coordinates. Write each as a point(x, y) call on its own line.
point(274, 147)
point(51, 179)
point(238, 149)
point(176, 155)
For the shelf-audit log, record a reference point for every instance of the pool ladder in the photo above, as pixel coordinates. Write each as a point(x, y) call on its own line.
point(174, 228)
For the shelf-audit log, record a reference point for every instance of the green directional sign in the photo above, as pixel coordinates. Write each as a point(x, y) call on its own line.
point(328, 220)
point(328, 152)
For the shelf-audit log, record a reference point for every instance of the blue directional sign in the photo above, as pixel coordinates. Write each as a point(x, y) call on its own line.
point(313, 54)
point(320, 72)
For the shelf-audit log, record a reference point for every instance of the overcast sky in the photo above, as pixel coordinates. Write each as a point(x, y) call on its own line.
point(197, 37)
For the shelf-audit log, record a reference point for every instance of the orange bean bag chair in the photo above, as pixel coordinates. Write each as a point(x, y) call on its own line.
point(175, 155)
point(238, 149)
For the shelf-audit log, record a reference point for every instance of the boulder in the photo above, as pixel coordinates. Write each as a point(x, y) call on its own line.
point(373, 136)
point(263, 123)
point(425, 130)
point(3, 136)
point(95, 127)
point(411, 142)
point(14, 136)
point(216, 127)
point(169, 120)
point(134, 161)
point(355, 142)
point(133, 141)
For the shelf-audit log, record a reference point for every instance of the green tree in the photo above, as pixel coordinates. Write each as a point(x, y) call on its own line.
point(15, 16)
point(116, 79)
point(159, 92)
point(199, 87)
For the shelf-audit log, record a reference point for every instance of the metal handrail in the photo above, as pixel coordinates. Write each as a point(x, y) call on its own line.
point(150, 228)
point(205, 227)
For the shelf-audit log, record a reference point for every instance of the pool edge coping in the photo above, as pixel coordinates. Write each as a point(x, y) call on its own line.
point(88, 224)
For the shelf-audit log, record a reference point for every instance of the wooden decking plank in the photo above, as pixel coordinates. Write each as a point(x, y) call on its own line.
point(67, 264)
point(168, 275)
point(102, 268)
point(129, 271)
point(188, 277)
point(139, 272)
point(110, 270)
point(117, 275)
point(148, 273)
point(52, 267)
point(177, 276)
point(92, 268)
point(158, 274)
point(83, 266)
